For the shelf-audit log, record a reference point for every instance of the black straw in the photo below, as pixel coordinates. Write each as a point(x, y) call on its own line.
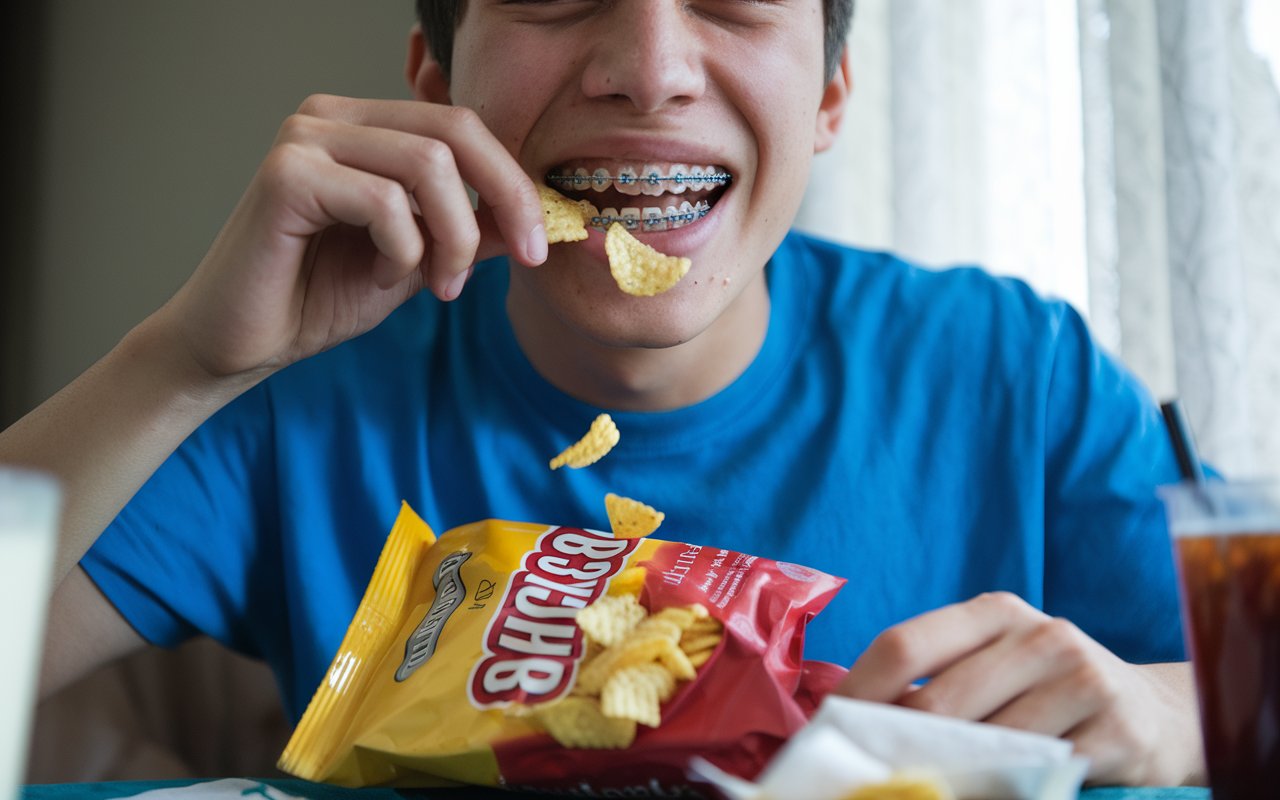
point(1184, 446)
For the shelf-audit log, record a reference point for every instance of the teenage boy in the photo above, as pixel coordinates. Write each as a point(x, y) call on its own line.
point(955, 446)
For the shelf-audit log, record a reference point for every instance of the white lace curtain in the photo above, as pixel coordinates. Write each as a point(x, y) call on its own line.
point(1121, 154)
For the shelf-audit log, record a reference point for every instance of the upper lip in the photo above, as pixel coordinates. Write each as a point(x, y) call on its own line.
point(636, 151)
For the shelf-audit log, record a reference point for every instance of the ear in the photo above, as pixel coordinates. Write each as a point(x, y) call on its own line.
point(423, 72)
point(835, 98)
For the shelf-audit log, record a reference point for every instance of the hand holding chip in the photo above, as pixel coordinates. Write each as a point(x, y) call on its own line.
point(357, 206)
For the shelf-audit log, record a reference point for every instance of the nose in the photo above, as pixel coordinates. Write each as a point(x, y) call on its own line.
point(648, 53)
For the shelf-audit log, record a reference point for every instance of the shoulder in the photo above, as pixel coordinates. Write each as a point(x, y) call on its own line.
point(896, 296)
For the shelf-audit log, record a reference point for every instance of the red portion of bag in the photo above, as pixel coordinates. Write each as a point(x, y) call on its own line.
point(749, 698)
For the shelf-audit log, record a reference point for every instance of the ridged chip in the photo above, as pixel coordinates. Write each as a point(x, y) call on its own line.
point(579, 722)
point(638, 649)
point(633, 663)
point(637, 268)
point(685, 617)
point(637, 693)
point(592, 447)
point(565, 220)
point(631, 519)
point(610, 619)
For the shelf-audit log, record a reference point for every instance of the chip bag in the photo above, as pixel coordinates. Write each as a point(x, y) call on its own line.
point(558, 658)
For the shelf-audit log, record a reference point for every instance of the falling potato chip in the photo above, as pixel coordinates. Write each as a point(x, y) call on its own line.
point(565, 220)
point(631, 519)
point(639, 269)
point(637, 693)
point(610, 619)
point(579, 722)
point(598, 441)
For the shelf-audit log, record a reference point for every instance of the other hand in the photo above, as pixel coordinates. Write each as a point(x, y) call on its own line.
point(996, 659)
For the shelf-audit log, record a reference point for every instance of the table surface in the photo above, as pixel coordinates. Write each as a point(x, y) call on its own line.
point(315, 791)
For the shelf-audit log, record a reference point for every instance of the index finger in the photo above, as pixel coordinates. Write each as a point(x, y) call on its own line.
point(482, 160)
point(926, 645)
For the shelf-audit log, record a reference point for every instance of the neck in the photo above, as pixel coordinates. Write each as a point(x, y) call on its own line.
point(642, 378)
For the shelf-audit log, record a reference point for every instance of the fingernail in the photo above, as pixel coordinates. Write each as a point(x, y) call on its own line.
point(455, 286)
point(536, 249)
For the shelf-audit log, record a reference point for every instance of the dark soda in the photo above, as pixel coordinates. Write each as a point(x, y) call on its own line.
point(1231, 602)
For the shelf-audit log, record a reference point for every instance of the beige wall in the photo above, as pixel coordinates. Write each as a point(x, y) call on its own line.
point(152, 118)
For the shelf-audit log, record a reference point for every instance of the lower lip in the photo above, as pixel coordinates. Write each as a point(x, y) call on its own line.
point(683, 241)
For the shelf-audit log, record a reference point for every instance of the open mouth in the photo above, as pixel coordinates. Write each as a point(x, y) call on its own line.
point(646, 197)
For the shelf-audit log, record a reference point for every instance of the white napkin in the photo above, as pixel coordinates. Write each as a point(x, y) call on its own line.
point(217, 790)
point(850, 743)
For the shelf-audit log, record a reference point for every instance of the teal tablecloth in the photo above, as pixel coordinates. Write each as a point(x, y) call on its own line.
point(315, 791)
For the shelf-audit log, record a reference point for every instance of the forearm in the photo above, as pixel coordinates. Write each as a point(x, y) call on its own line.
point(104, 434)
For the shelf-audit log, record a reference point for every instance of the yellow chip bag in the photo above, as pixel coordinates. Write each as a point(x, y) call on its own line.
point(637, 268)
point(501, 655)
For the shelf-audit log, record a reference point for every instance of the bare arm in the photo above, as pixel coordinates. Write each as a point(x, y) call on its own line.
point(358, 206)
point(105, 433)
point(85, 632)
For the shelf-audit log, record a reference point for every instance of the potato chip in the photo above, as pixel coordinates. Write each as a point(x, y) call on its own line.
point(684, 617)
point(677, 662)
point(662, 627)
point(631, 519)
point(639, 269)
point(593, 446)
point(629, 581)
point(633, 663)
point(699, 642)
point(902, 787)
point(638, 649)
point(565, 220)
point(579, 722)
point(610, 619)
point(637, 693)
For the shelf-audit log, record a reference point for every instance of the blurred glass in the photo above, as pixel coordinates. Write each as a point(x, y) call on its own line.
point(29, 506)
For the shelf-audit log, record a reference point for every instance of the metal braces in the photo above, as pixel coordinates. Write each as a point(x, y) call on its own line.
point(653, 179)
point(632, 223)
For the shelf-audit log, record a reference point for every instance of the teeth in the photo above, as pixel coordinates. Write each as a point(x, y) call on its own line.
point(680, 178)
point(695, 178)
point(652, 218)
point(650, 180)
point(626, 182)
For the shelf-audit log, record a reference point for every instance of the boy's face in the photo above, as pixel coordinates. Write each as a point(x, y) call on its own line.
point(730, 86)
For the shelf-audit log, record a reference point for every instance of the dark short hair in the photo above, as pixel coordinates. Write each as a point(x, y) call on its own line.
point(440, 19)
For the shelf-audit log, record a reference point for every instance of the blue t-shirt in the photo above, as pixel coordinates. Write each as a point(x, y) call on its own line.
point(928, 435)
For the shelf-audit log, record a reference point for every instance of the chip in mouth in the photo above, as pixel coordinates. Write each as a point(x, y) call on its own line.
point(638, 269)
